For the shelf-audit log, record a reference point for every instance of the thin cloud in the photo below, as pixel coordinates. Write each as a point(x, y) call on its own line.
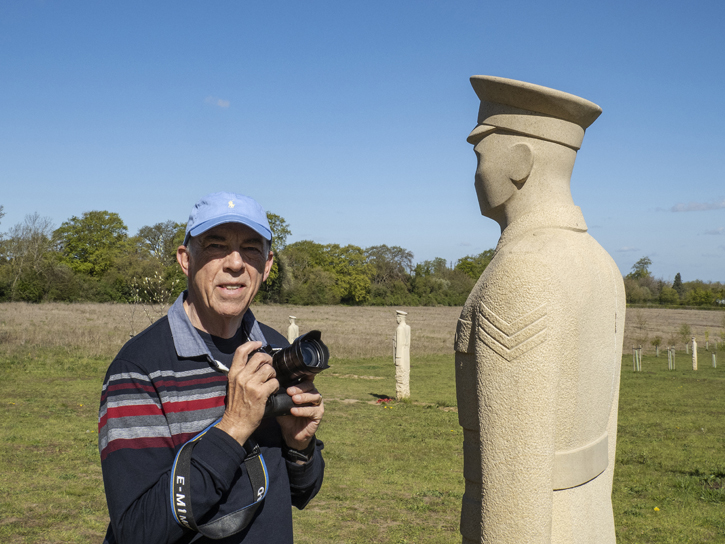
point(698, 206)
point(627, 249)
point(721, 230)
point(219, 102)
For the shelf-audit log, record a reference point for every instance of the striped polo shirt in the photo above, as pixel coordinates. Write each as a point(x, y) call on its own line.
point(161, 390)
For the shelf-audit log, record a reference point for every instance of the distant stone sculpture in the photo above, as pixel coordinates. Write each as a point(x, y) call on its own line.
point(293, 331)
point(401, 354)
point(539, 340)
point(694, 353)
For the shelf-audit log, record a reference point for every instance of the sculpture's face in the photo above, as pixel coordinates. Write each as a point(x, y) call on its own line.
point(493, 184)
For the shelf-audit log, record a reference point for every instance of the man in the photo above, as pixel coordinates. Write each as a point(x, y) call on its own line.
point(539, 340)
point(168, 384)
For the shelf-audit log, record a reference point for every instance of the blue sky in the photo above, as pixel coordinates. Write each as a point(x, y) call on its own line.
point(349, 119)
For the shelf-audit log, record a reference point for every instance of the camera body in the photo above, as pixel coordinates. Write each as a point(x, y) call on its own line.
point(307, 356)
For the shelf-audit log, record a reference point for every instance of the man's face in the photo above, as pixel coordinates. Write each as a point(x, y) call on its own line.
point(493, 185)
point(226, 266)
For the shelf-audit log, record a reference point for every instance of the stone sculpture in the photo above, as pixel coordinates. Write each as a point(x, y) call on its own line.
point(293, 331)
point(401, 354)
point(539, 340)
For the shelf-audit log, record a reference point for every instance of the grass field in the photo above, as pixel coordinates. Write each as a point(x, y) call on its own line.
point(393, 469)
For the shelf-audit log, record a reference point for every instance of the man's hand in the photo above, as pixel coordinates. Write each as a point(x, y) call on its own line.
point(299, 427)
point(251, 381)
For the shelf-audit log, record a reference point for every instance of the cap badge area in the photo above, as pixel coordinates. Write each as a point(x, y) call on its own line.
point(231, 204)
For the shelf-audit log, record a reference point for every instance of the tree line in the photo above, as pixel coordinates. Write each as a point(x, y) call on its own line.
point(643, 288)
point(93, 258)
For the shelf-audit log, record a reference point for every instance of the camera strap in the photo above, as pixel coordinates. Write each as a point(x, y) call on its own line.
point(180, 491)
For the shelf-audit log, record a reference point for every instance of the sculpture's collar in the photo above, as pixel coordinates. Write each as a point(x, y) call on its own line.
point(564, 217)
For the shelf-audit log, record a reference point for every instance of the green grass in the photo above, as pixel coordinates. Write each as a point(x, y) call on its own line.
point(393, 469)
point(50, 487)
point(671, 452)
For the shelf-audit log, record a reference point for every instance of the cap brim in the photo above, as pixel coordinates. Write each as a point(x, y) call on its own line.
point(201, 228)
point(479, 133)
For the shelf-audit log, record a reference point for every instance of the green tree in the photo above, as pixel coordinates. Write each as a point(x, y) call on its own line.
point(309, 263)
point(437, 284)
point(635, 292)
point(677, 285)
point(89, 244)
point(668, 296)
point(700, 297)
point(271, 290)
point(640, 269)
point(390, 282)
point(161, 240)
point(26, 252)
point(474, 265)
point(390, 263)
point(352, 271)
point(148, 270)
point(280, 231)
point(434, 267)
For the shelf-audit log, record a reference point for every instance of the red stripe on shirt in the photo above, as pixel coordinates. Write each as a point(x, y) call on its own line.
point(191, 405)
point(137, 444)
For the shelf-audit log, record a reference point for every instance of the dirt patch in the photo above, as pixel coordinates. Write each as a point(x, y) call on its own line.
point(355, 377)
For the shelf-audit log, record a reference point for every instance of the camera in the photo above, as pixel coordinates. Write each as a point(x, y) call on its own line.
point(307, 356)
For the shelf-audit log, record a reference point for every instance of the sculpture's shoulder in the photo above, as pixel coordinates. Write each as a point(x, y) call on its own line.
point(516, 284)
point(542, 271)
point(562, 254)
point(520, 269)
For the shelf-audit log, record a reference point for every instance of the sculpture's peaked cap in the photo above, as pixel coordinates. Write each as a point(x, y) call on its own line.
point(531, 110)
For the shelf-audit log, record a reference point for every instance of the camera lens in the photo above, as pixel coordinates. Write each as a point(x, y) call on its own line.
point(311, 354)
point(306, 356)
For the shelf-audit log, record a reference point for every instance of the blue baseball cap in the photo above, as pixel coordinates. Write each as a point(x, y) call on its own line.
point(218, 208)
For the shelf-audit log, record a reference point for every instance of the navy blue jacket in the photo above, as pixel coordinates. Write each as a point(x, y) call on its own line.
point(160, 391)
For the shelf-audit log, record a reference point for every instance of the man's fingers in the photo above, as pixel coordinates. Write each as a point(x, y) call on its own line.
point(245, 349)
point(248, 359)
point(315, 399)
point(303, 387)
point(312, 412)
point(261, 363)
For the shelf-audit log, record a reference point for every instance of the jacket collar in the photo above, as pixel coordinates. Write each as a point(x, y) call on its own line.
point(564, 217)
point(187, 341)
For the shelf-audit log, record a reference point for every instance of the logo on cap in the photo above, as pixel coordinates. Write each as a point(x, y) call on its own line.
point(231, 204)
